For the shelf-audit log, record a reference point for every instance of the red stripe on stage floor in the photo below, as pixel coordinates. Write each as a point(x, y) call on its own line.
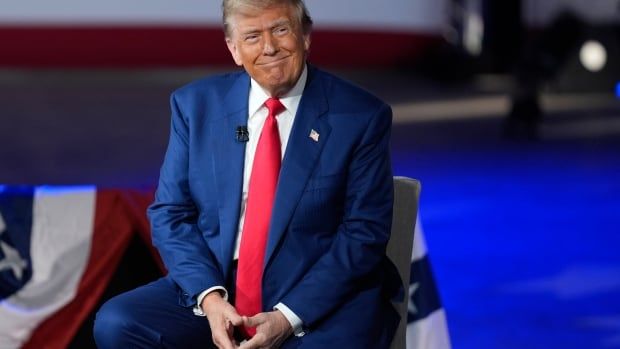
point(147, 47)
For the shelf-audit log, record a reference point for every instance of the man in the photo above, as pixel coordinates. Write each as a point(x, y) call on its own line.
point(274, 205)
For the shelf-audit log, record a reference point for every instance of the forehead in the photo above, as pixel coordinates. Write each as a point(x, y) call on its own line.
point(251, 18)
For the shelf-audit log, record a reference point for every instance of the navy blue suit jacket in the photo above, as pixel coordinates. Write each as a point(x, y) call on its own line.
point(332, 215)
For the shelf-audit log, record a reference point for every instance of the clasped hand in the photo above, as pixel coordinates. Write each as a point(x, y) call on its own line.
point(272, 328)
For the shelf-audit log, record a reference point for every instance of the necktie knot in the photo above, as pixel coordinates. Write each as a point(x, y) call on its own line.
point(274, 106)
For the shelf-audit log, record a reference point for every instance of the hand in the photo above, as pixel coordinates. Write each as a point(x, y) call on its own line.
point(223, 318)
point(272, 329)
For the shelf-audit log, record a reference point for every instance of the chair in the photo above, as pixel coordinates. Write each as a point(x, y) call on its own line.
point(399, 249)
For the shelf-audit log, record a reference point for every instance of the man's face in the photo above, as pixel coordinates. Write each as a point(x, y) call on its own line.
point(270, 45)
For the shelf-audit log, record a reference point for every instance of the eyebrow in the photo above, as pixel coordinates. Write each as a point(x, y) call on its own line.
point(275, 24)
point(279, 23)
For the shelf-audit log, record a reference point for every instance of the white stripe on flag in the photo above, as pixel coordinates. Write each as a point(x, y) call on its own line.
point(419, 243)
point(62, 225)
point(430, 332)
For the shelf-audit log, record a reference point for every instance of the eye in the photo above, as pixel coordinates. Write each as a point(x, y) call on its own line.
point(251, 38)
point(281, 30)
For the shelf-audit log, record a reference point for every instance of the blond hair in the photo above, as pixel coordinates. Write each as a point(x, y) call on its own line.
point(230, 7)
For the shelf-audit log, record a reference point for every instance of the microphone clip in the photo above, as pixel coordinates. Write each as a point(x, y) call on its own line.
point(242, 134)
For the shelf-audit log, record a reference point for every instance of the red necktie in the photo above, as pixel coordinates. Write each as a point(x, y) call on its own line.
point(261, 194)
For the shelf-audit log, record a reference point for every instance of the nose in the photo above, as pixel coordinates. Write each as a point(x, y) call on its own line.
point(270, 45)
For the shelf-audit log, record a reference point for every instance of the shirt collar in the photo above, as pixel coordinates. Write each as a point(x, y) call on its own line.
point(290, 100)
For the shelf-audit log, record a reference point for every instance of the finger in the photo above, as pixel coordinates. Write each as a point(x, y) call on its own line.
point(230, 328)
point(223, 338)
point(231, 314)
point(257, 341)
point(235, 318)
point(254, 320)
point(223, 342)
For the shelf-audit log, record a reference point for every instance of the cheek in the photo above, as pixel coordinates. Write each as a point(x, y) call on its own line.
point(249, 55)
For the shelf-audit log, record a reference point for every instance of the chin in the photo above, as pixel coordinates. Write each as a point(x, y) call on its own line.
point(280, 82)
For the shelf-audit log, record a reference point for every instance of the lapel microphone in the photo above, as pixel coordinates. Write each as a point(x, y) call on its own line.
point(242, 134)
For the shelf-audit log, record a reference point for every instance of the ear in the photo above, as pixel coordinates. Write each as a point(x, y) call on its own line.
point(307, 42)
point(232, 47)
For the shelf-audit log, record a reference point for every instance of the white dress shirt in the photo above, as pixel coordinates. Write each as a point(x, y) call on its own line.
point(257, 114)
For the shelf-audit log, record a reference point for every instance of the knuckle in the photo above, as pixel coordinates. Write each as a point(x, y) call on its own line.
point(217, 339)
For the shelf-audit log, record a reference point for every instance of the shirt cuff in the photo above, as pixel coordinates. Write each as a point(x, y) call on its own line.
point(197, 310)
point(292, 318)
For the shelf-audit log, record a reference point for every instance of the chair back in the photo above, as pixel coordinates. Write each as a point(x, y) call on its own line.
point(400, 246)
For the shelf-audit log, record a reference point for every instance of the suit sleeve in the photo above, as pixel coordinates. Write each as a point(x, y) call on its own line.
point(173, 216)
point(360, 242)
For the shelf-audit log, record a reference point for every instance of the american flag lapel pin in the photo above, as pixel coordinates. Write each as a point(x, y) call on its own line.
point(314, 135)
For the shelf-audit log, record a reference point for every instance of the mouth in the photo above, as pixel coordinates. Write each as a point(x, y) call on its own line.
point(274, 62)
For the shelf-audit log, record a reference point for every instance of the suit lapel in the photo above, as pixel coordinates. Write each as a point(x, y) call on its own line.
point(229, 161)
point(300, 158)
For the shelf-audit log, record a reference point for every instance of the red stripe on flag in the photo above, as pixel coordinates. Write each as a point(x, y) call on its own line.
point(113, 229)
point(136, 203)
